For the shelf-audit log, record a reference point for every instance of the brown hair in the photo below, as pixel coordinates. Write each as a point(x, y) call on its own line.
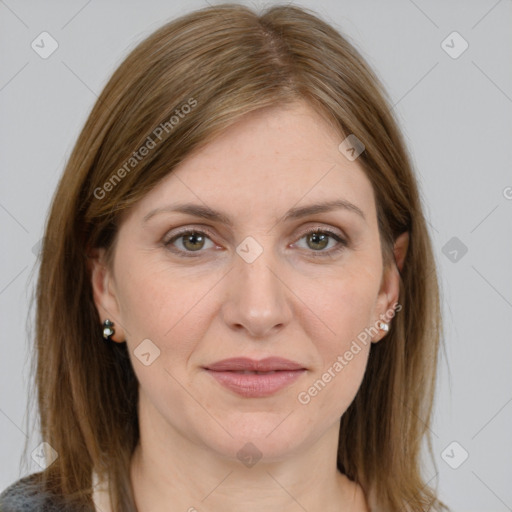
point(224, 62)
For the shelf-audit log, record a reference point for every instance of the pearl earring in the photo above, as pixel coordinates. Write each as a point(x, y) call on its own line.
point(383, 326)
point(108, 329)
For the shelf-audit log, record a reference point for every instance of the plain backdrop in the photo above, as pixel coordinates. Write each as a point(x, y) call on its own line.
point(454, 105)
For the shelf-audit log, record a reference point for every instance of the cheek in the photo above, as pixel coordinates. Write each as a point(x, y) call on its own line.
point(334, 383)
point(337, 386)
point(338, 311)
point(163, 305)
point(344, 314)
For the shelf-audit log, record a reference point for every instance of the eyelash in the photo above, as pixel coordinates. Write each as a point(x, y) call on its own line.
point(342, 243)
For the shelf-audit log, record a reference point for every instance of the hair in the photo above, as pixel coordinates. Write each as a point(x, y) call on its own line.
point(174, 93)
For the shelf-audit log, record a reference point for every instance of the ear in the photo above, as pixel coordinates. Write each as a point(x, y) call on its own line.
point(104, 294)
point(390, 285)
point(400, 249)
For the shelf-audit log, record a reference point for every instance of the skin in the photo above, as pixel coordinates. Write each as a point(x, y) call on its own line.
point(215, 305)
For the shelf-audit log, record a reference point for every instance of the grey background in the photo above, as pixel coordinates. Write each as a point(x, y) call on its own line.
point(456, 115)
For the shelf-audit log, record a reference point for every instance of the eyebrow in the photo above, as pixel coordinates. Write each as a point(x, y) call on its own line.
point(298, 212)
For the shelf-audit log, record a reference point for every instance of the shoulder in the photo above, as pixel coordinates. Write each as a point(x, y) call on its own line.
point(28, 495)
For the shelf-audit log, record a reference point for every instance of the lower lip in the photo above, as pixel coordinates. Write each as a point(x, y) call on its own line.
point(252, 385)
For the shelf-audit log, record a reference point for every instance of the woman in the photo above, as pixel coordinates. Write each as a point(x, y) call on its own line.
point(237, 304)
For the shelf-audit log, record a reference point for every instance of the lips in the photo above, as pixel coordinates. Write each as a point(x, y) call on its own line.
point(252, 379)
point(244, 364)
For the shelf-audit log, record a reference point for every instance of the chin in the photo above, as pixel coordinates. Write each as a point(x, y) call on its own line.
point(259, 435)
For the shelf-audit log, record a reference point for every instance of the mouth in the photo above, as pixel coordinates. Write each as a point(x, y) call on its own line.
point(255, 379)
point(249, 372)
point(245, 364)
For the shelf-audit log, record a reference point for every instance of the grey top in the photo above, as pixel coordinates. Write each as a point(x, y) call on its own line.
point(28, 495)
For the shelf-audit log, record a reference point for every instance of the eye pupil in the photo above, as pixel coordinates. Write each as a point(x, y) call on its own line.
point(193, 238)
point(319, 238)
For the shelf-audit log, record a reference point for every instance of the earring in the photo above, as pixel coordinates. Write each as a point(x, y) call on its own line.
point(108, 329)
point(383, 326)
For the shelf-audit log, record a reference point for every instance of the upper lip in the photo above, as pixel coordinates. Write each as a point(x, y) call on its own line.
point(268, 364)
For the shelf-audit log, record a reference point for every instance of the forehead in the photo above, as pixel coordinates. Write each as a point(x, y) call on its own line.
point(270, 160)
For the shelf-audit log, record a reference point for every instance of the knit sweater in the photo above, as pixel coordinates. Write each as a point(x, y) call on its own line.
point(28, 495)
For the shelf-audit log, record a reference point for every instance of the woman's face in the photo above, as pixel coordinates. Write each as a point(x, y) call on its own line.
point(251, 281)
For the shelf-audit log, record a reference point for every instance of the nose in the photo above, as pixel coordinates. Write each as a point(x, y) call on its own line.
point(257, 298)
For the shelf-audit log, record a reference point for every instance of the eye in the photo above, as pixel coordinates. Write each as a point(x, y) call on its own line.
point(318, 239)
point(189, 241)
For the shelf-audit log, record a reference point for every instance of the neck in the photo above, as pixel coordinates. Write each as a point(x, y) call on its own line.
point(172, 473)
